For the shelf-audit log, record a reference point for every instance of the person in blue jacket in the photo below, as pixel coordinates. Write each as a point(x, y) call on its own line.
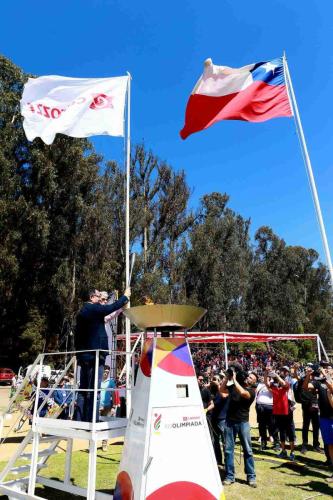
point(43, 394)
point(90, 335)
point(63, 397)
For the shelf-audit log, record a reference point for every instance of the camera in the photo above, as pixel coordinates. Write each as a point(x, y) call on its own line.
point(241, 375)
point(316, 371)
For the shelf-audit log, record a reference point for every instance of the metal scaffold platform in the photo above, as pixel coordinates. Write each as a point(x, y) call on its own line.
point(48, 434)
point(52, 432)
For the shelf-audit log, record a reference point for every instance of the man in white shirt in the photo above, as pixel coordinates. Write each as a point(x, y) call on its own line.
point(265, 418)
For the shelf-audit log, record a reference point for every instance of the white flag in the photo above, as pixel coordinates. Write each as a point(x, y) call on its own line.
point(78, 107)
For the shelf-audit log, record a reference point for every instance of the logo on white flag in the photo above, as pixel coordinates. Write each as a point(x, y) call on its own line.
point(55, 104)
point(101, 101)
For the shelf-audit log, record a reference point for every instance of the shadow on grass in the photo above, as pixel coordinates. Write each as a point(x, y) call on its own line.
point(301, 459)
point(108, 492)
point(14, 439)
point(240, 481)
point(312, 462)
point(54, 494)
point(313, 487)
point(51, 494)
point(302, 471)
point(105, 455)
point(108, 459)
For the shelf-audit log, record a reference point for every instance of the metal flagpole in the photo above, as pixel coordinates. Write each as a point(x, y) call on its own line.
point(127, 321)
point(308, 166)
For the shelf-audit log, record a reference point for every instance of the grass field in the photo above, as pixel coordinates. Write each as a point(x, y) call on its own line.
point(276, 479)
point(107, 468)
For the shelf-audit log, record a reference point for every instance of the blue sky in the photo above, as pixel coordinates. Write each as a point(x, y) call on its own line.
point(163, 45)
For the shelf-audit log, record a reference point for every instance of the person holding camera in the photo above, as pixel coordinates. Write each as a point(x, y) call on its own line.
point(282, 411)
point(310, 408)
point(240, 388)
point(324, 388)
point(205, 394)
point(218, 417)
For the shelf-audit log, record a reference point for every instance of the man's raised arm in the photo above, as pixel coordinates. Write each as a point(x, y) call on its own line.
point(244, 393)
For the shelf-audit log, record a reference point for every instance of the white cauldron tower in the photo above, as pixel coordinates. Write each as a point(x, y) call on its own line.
point(168, 453)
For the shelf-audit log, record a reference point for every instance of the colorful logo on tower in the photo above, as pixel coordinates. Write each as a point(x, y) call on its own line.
point(157, 422)
point(173, 356)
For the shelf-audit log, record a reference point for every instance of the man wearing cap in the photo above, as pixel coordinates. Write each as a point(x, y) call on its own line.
point(285, 371)
point(90, 335)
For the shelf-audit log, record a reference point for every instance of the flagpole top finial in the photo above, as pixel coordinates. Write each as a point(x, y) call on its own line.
point(208, 62)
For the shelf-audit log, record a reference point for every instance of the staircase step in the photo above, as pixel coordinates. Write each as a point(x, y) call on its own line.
point(43, 453)
point(48, 439)
point(25, 468)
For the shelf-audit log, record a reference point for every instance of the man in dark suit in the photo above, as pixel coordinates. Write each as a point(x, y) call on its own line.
point(90, 335)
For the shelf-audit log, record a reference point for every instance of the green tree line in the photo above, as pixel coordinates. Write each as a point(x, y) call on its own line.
point(62, 230)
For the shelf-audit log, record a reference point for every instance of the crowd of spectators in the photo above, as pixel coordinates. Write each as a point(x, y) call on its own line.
point(275, 385)
point(212, 360)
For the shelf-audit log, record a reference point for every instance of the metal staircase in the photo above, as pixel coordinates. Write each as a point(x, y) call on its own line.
point(24, 469)
point(49, 431)
point(20, 485)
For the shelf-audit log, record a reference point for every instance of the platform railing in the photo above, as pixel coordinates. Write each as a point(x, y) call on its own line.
point(71, 364)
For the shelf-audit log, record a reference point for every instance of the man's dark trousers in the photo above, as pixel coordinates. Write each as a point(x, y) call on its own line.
point(266, 422)
point(310, 415)
point(85, 399)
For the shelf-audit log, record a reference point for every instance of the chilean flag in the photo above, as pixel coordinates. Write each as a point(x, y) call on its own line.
point(253, 93)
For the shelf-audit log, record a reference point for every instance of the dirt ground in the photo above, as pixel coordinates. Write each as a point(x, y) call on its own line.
point(4, 396)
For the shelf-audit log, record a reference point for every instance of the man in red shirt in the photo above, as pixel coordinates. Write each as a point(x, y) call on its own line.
point(281, 411)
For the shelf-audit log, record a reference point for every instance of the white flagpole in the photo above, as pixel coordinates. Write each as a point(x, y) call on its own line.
point(308, 167)
point(127, 271)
